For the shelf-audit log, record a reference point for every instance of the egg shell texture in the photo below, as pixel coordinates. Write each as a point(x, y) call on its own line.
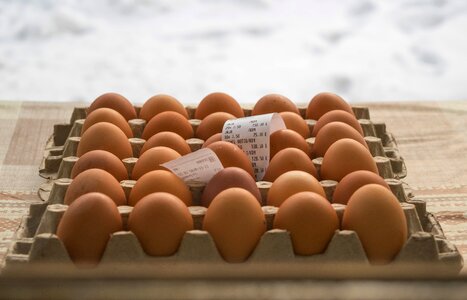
point(296, 123)
point(290, 183)
point(218, 102)
point(289, 159)
point(160, 181)
point(236, 223)
point(116, 102)
point(286, 138)
point(105, 136)
point(337, 116)
point(167, 139)
point(95, 180)
point(325, 102)
point(273, 103)
point(376, 215)
point(333, 132)
point(100, 159)
point(346, 156)
point(151, 160)
point(168, 121)
point(231, 155)
point(311, 221)
point(352, 182)
point(86, 227)
point(228, 178)
point(107, 115)
point(212, 124)
point(160, 103)
point(159, 221)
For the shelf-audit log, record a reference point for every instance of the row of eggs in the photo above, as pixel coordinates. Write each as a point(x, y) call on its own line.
point(344, 157)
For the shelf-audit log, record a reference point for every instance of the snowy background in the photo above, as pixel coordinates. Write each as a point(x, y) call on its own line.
point(364, 50)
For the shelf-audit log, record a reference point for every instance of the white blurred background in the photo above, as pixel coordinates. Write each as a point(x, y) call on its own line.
point(364, 50)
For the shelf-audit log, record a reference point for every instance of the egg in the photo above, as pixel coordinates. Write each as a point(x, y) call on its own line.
point(337, 116)
point(290, 183)
point(218, 102)
point(376, 215)
point(324, 102)
point(95, 180)
point(231, 155)
point(352, 182)
point(105, 136)
point(168, 121)
point(159, 221)
point(296, 123)
point(116, 102)
point(107, 115)
point(228, 178)
point(289, 159)
point(100, 159)
point(286, 138)
point(160, 103)
point(167, 139)
point(212, 124)
point(213, 138)
point(333, 132)
point(311, 221)
point(160, 181)
point(236, 223)
point(151, 160)
point(273, 103)
point(346, 156)
point(86, 227)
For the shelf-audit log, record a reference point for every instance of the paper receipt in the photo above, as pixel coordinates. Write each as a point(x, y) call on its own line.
point(198, 166)
point(251, 134)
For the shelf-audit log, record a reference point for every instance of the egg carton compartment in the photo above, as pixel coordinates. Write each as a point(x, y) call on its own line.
point(36, 240)
point(64, 141)
point(274, 246)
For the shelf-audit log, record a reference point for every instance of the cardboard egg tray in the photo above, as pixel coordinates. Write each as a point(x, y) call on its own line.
point(36, 240)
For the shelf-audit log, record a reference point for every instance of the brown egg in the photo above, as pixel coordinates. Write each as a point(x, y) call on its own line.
point(160, 181)
point(212, 124)
point(273, 103)
point(236, 223)
point(290, 183)
point(167, 139)
point(213, 138)
point(296, 123)
point(286, 138)
point(289, 159)
point(352, 182)
point(159, 221)
point(324, 102)
point(311, 221)
point(168, 121)
point(105, 136)
point(95, 180)
point(100, 159)
point(333, 132)
point(160, 103)
point(337, 116)
point(231, 155)
point(228, 178)
point(86, 227)
point(107, 115)
point(376, 215)
point(216, 102)
point(151, 160)
point(116, 102)
point(346, 156)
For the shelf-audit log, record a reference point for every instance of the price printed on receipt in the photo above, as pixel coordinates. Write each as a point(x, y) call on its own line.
point(252, 134)
point(199, 166)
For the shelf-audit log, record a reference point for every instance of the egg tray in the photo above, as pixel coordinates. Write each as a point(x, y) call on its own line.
point(36, 240)
point(64, 141)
